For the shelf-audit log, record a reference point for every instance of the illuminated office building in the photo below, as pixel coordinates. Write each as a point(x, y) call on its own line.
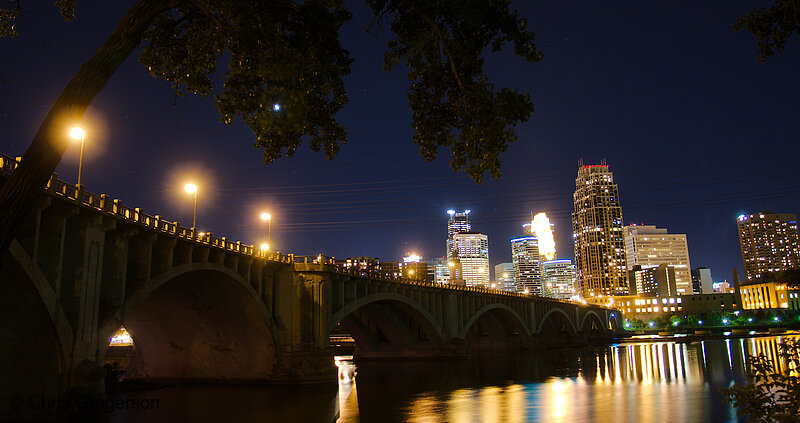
point(458, 223)
point(769, 243)
point(472, 250)
point(558, 279)
point(504, 276)
point(650, 247)
point(363, 263)
point(658, 281)
point(597, 233)
point(542, 229)
point(527, 265)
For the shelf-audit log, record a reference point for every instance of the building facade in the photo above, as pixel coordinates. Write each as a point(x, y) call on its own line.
point(769, 243)
point(597, 233)
point(701, 281)
point(504, 276)
point(659, 281)
point(527, 265)
point(544, 231)
point(458, 223)
point(472, 250)
point(558, 279)
point(763, 295)
point(363, 263)
point(648, 246)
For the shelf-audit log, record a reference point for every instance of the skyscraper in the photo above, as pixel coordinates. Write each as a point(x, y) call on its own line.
point(472, 249)
point(527, 264)
point(648, 246)
point(597, 233)
point(769, 243)
point(543, 230)
point(458, 222)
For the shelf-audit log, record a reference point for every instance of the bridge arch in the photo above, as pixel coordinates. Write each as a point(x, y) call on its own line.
point(380, 323)
point(560, 312)
point(198, 321)
point(35, 335)
point(495, 327)
point(592, 314)
point(517, 319)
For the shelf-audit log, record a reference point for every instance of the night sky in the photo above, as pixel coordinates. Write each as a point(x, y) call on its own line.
point(694, 129)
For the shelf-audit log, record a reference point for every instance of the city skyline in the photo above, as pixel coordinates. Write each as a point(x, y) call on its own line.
point(595, 98)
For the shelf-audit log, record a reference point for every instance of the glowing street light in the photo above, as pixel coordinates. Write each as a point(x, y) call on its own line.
point(265, 246)
point(268, 218)
point(78, 134)
point(192, 189)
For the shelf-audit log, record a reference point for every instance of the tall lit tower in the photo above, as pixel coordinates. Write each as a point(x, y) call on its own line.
point(472, 251)
point(769, 243)
point(597, 233)
point(543, 229)
point(458, 223)
point(527, 264)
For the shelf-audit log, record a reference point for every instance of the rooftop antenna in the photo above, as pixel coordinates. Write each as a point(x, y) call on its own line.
point(580, 162)
point(603, 162)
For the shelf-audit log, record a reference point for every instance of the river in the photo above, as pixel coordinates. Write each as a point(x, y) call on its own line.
point(652, 381)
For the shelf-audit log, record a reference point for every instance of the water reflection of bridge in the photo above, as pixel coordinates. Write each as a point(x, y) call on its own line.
point(201, 307)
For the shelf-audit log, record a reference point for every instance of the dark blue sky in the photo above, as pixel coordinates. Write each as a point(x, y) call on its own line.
point(695, 130)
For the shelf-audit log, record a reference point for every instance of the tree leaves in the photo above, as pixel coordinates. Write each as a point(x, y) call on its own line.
point(254, 55)
point(453, 104)
point(773, 394)
point(277, 52)
point(772, 26)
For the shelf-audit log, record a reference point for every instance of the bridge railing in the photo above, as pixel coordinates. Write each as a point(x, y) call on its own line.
point(103, 204)
point(332, 266)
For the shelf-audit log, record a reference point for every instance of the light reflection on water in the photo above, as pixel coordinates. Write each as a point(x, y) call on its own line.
point(634, 382)
point(641, 382)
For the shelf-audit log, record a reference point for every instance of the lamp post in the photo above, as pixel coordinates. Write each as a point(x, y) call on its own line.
point(192, 189)
point(78, 134)
point(268, 218)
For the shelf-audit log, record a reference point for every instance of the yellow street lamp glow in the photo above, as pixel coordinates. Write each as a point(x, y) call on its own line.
point(526, 291)
point(411, 272)
point(192, 189)
point(265, 246)
point(268, 218)
point(77, 133)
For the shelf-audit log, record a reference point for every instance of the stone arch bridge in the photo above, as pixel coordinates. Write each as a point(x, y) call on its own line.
point(202, 308)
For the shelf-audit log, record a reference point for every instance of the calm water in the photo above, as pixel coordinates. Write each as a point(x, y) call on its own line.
point(630, 382)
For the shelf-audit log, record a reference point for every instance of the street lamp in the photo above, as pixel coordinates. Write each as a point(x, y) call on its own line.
point(192, 189)
point(268, 218)
point(77, 134)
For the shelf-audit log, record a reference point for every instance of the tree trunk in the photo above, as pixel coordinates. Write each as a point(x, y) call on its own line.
point(18, 195)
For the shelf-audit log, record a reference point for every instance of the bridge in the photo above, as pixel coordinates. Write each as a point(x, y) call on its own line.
point(203, 308)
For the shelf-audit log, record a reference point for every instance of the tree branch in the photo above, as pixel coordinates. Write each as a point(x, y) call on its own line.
point(447, 52)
